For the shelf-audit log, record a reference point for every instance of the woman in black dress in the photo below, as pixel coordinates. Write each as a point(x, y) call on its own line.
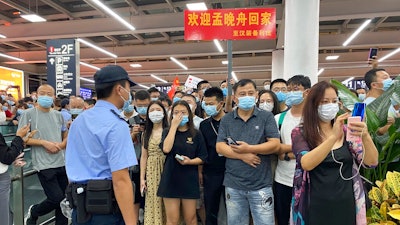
point(327, 187)
point(185, 149)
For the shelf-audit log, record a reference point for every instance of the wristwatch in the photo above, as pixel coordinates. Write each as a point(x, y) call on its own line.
point(286, 158)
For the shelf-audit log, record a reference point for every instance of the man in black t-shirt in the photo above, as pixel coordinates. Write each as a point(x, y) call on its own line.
point(214, 167)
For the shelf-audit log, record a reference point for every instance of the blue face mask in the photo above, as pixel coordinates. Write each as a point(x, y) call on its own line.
point(127, 103)
point(3, 97)
point(387, 83)
point(246, 103)
point(129, 109)
point(45, 101)
point(361, 97)
point(142, 110)
point(281, 96)
point(294, 98)
point(5, 108)
point(154, 99)
point(10, 102)
point(75, 111)
point(30, 105)
point(20, 111)
point(211, 110)
point(185, 120)
point(197, 99)
point(176, 99)
point(225, 91)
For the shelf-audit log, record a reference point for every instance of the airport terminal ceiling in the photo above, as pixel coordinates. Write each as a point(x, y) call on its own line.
point(159, 34)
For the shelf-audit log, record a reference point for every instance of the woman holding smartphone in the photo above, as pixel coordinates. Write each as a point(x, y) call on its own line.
point(327, 175)
point(185, 149)
point(7, 156)
point(152, 163)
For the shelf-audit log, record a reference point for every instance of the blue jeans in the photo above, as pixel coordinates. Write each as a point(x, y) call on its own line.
point(100, 219)
point(260, 203)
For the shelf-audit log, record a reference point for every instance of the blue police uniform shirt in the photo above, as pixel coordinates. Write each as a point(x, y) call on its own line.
point(99, 143)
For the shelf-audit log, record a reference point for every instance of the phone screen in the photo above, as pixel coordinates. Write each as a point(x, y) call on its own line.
point(359, 110)
point(372, 52)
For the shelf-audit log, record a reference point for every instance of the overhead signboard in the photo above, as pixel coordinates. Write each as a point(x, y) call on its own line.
point(63, 66)
point(230, 24)
point(12, 80)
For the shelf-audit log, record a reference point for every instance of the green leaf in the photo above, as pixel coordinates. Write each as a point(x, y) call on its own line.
point(347, 97)
point(395, 145)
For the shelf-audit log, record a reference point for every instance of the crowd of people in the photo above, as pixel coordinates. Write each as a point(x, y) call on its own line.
point(273, 156)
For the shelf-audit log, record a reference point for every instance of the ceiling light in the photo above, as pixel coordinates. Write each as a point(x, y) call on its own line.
point(179, 63)
point(158, 78)
point(357, 32)
point(11, 57)
point(196, 6)
point(234, 76)
point(33, 18)
point(88, 65)
point(88, 80)
point(389, 55)
point(97, 48)
point(320, 71)
point(332, 57)
point(2, 36)
point(216, 42)
point(136, 65)
point(347, 80)
point(113, 14)
point(225, 62)
point(143, 86)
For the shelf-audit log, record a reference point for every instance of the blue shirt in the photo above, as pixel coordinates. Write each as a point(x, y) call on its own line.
point(99, 143)
point(66, 115)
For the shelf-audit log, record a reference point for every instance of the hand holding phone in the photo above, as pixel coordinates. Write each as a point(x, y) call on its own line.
point(179, 157)
point(230, 141)
point(349, 136)
point(373, 52)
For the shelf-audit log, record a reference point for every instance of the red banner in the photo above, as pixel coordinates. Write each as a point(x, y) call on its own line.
point(230, 24)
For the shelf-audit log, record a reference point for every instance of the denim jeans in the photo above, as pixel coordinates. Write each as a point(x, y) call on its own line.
point(260, 203)
point(100, 219)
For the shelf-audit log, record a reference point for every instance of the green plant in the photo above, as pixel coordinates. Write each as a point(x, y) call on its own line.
point(377, 112)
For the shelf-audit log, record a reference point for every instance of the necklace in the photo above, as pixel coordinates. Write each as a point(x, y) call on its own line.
point(212, 125)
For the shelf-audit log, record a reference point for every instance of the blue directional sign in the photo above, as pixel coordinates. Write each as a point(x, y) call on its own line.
point(63, 71)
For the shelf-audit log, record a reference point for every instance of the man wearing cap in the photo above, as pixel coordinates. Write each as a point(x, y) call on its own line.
point(100, 149)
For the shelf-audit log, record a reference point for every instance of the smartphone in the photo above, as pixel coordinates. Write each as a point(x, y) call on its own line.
point(359, 110)
point(179, 157)
point(230, 141)
point(372, 53)
point(350, 137)
point(143, 191)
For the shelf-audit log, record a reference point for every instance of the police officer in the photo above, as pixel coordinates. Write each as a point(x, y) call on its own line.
point(100, 149)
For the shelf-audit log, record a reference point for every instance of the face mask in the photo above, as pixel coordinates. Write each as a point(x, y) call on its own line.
point(5, 108)
point(247, 102)
point(142, 110)
point(75, 111)
point(176, 99)
point(281, 96)
point(361, 97)
point(129, 109)
point(185, 120)
point(294, 98)
point(211, 110)
point(267, 106)
point(154, 99)
point(127, 103)
point(30, 106)
point(197, 99)
point(225, 91)
point(204, 90)
point(20, 111)
point(327, 112)
point(394, 102)
point(34, 98)
point(11, 103)
point(387, 83)
point(3, 97)
point(156, 116)
point(267, 87)
point(191, 107)
point(45, 101)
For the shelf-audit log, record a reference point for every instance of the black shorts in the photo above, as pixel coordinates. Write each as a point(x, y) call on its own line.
point(135, 177)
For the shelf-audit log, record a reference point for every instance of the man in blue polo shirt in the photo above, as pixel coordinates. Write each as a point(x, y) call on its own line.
point(246, 137)
point(100, 145)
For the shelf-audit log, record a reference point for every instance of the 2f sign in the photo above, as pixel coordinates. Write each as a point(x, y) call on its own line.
point(66, 49)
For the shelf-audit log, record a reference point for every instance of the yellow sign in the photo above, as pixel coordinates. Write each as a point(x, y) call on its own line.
point(10, 79)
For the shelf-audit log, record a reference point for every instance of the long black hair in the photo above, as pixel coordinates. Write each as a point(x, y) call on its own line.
point(149, 124)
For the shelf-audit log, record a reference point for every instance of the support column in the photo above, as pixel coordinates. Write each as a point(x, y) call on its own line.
point(277, 64)
point(301, 38)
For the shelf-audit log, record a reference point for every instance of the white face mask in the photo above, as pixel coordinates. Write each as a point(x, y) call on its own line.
point(267, 106)
point(267, 87)
point(327, 112)
point(156, 116)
